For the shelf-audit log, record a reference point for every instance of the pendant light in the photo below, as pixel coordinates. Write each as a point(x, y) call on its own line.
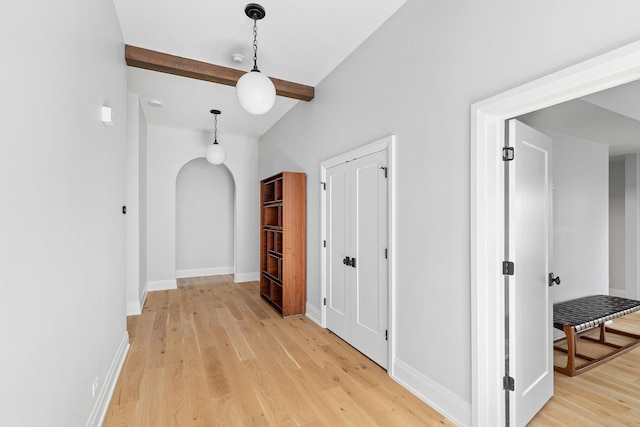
point(256, 92)
point(215, 152)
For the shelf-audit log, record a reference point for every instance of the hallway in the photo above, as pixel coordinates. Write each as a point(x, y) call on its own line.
point(213, 353)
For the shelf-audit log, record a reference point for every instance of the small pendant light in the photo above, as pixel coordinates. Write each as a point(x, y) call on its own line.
point(256, 92)
point(215, 152)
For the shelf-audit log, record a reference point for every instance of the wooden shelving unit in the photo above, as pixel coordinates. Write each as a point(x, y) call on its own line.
point(283, 242)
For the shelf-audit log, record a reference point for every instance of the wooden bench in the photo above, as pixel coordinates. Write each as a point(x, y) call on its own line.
point(581, 315)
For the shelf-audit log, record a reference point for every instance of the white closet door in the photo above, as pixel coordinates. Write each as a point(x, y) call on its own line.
point(369, 232)
point(357, 209)
point(338, 291)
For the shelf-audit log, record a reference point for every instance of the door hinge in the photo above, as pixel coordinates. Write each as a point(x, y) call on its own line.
point(386, 253)
point(325, 301)
point(385, 169)
point(507, 268)
point(508, 383)
point(507, 154)
point(386, 335)
point(324, 185)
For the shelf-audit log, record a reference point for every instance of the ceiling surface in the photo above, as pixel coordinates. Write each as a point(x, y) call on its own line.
point(610, 117)
point(299, 41)
point(303, 41)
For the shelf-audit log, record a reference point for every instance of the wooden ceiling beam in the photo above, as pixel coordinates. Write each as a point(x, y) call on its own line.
point(185, 67)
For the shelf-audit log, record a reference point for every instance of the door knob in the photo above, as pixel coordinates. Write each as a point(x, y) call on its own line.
point(349, 261)
point(553, 279)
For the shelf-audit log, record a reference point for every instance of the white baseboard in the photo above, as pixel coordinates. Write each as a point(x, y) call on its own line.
point(621, 293)
point(246, 277)
point(96, 417)
point(314, 314)
point(433, 394)
point(203, 272)
point(143, 297)
point(162, 285)
point(134, 308)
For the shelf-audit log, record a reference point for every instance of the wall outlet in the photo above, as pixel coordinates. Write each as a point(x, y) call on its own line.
point(94, 387)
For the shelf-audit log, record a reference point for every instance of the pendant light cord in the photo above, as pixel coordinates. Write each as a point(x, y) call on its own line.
point(255, 43)
point(215, 128)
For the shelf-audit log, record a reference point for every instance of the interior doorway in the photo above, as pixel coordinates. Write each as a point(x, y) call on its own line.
point(358, 304)
point(204, 220)
point(487, 208)
point(356, 195)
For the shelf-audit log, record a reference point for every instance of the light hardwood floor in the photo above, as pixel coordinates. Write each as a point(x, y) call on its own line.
point(608, 395)
point(212, 353)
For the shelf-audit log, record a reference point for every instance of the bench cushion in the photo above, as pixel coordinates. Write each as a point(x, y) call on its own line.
point(587, 312)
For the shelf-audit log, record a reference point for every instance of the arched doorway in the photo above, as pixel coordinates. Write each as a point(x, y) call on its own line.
point(204, 220)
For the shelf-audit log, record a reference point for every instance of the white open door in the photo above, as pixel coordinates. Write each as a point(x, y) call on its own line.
point(529, 245)
point(356, 268)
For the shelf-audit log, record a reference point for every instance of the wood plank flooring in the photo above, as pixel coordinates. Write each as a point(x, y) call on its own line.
point(212, 353)
point(608, 395)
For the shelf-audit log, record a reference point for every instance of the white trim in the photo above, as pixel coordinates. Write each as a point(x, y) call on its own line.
point(162, 285)
point(203, 272)
point(439, 398)
point(134, 308)
point(96, 417)
point(487, 230)
point(246, 277)
point(143, 297)
point(314, 314)
point(621, 293)
point(387, 143)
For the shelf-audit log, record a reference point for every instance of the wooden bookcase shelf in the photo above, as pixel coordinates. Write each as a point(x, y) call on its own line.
point(283, 242)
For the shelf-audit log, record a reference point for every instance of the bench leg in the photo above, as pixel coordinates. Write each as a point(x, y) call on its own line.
point(570, 369)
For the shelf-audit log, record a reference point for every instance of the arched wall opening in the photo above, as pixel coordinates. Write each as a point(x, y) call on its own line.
point(205, 197)
point(168, 150)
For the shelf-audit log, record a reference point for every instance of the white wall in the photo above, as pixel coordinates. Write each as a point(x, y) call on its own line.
point(580, 217)
point(62, 274)
point(135, 258)
point(416, 77)
point(142, 206)
point(616, 227)
point(631, 224)
point(204, 220)
point(136, 189)
point(168, 151)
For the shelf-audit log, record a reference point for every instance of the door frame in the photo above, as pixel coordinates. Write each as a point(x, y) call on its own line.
point(611, 69)
point(387, 143)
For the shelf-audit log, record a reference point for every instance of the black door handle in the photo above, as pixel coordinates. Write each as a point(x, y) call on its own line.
point(553, 279)
point(349, 261)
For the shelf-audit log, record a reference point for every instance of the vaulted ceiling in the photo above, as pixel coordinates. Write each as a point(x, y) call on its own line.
point(298, 41)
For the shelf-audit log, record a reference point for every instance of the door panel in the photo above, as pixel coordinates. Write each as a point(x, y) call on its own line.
point(338, 291)
point(529, 246)
point(371, 306)
point(356, 216)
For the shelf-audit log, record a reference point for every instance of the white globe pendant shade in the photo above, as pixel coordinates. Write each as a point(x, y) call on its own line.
point(256, 92)
point(216, 154)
